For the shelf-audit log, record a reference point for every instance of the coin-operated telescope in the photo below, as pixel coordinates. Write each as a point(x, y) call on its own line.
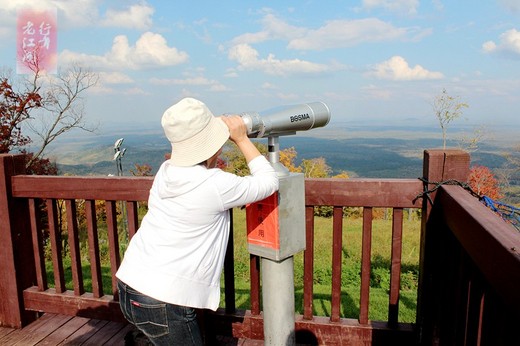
point(276, 225)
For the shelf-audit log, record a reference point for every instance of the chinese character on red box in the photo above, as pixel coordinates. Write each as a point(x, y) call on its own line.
point(262, 223)
point(36, 41)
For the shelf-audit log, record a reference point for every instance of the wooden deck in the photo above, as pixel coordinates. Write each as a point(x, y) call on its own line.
point(52, 329)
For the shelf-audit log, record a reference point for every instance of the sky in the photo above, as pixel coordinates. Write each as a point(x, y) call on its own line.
point(378, 62)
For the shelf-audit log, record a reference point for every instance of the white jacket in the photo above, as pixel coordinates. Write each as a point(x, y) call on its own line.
point(178, 253)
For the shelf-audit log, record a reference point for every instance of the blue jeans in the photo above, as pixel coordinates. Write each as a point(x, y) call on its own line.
point(162, 323)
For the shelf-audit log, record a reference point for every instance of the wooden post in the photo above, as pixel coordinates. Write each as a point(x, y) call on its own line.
point(439, 166)
point(16, 256)
point(442, 165)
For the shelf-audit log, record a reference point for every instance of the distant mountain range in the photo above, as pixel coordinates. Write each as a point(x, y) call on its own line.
point(364, 151)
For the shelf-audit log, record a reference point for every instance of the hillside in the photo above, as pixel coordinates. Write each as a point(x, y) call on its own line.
point(371, 152)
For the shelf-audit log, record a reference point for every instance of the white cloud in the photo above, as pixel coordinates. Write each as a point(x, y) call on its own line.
point(189, 93)
point(9, 13)
point(114, 78)
point(288, 97)
point(82, 13)
point(397, 68)
point(347, 33)
point(102, 89)
point(191, 81)
point(77, 13)
point(511, 5)
point(187, 81)
point(112, 82)
point(231, 73)
point(273, 29)
point(150, 51)
point(268, 85)
point(70, 13)
point(334, 34)
point(247, 58)
point(509, 43)
point(374, 92)
point(219, 88)
point(135, 17)
point(136, 91)
point(489, 46)
point(400, 6)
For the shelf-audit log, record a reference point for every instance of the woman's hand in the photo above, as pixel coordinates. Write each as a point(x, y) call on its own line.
point(237, 127)
point(238, 134)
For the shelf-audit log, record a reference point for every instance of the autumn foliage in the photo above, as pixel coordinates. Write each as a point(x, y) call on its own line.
point(144, 170)
point(483, 182)
point(39, 166)
point(14, 110)
point(287, 157)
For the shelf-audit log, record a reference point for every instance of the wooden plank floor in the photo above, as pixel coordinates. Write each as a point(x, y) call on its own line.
point(52, 329)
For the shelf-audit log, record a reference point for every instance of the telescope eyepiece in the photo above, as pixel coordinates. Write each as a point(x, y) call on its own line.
point(254, 124)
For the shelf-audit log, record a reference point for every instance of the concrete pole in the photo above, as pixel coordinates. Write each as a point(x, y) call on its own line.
point(278, 301)
point(278, 281)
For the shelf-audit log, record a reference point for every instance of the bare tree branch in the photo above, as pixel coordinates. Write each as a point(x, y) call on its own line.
point(63, 107)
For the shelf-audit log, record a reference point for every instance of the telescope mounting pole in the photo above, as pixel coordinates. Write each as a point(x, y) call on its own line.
point(278, 280)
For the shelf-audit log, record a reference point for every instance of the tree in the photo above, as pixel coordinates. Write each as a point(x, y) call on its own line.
point(287, 157)
point(62, 104)
point(316, 168)
point(513, 161)
point(470, 143)
point(483, 182)
point(447, 108)
point(342, 175)
point(15, 108)
point(235, 161)
point(144, 170)
point(39, 166)
point(47, 105)
point(311, 168)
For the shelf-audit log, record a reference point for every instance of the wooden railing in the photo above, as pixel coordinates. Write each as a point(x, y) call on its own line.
point(471, 274)
point(22, 262)
point(71, 190)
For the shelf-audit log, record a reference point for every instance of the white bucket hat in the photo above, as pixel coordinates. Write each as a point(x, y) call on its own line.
point(194, 133)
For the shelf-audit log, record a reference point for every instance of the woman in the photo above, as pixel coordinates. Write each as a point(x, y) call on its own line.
point(173, 264)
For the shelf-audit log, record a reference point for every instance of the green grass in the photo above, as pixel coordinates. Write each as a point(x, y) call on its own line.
point(378, 310)
point(106, 277)
point(351, 266)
